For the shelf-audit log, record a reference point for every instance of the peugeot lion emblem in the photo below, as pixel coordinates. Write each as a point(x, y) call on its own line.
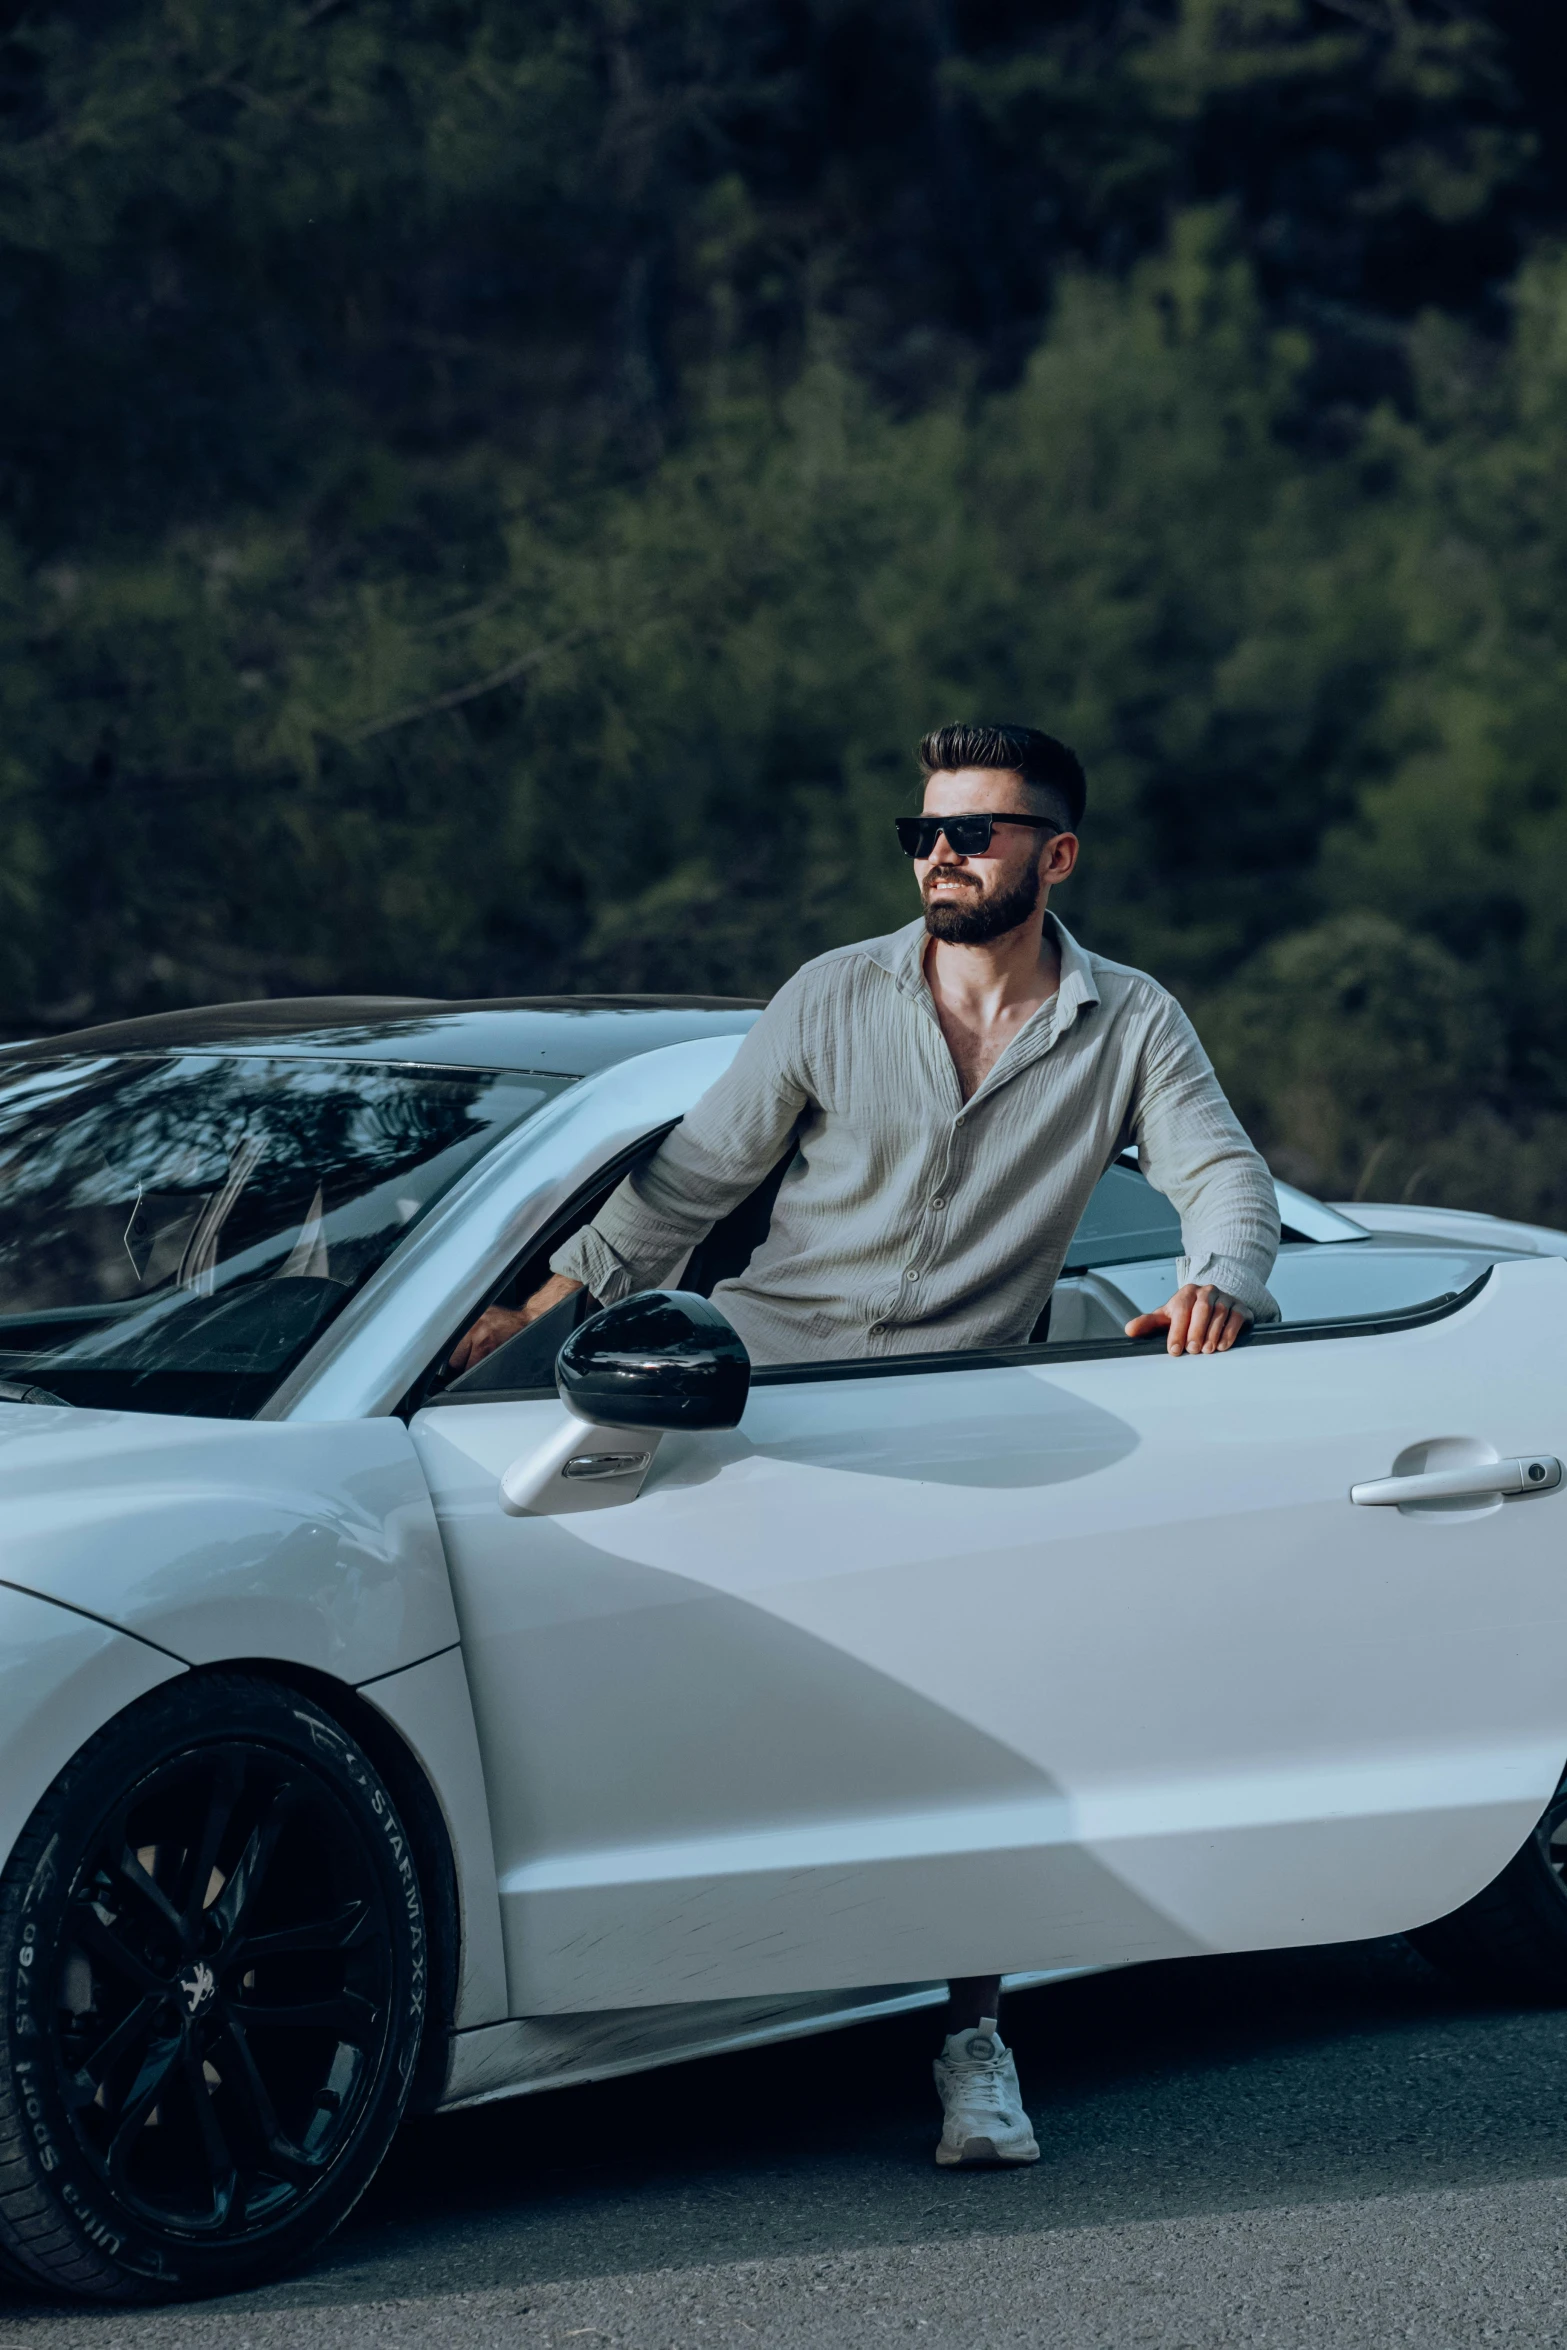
point(198, 1984)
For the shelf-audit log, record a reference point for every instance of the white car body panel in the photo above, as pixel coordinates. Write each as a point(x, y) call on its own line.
point(1401, 1222)
point(62, 1676)
point(428, 1706)
point(1058, 1665)
point(310, 1544)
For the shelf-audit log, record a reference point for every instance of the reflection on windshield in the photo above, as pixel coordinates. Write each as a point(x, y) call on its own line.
point(176, 1230)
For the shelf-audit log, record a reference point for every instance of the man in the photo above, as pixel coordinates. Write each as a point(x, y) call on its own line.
point(950, 1095)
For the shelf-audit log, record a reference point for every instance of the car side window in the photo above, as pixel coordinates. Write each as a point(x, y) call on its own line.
point(525, 1364)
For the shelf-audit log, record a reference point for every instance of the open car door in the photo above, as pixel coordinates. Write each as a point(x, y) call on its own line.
point(1060, 1658)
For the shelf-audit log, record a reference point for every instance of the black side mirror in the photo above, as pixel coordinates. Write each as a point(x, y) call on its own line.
point(662, 1359)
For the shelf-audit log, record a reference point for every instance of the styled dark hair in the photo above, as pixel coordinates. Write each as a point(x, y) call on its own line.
point(1045, 765)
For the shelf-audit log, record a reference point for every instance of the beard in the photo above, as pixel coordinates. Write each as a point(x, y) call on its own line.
point(976, 924)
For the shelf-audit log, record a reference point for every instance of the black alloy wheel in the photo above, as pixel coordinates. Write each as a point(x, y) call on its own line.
point(1510, 1941)
point(213, 1939)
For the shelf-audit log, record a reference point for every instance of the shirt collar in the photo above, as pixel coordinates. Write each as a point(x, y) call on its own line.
point(903, 954)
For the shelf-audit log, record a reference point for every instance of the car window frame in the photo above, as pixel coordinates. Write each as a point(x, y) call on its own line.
point(1111, 1350)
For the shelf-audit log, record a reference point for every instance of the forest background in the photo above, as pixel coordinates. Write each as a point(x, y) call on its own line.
point(492, 491)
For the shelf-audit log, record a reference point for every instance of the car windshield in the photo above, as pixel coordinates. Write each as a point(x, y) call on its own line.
point(175, 1230)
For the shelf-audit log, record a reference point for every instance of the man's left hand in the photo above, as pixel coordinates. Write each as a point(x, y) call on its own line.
point(1201, 1320)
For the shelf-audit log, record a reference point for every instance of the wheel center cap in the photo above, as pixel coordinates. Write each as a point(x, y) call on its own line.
point(196, 1986)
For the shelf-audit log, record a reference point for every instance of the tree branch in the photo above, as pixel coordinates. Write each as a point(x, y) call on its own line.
point(470, 693)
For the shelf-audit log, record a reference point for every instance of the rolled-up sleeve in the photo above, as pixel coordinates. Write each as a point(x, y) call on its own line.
point(721, 1150)
point(1193, 1148)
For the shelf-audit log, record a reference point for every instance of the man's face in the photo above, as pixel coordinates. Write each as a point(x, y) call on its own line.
point(969, 900)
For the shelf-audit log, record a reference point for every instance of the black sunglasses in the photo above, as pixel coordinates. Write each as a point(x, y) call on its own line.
point(967, 836)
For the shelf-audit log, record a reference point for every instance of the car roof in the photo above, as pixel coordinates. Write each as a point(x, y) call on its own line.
point(566, 1036)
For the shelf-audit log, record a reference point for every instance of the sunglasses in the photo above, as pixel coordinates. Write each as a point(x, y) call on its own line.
point(967, 836)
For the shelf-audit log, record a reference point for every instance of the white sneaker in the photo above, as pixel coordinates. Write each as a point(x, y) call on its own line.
point(977, 2082)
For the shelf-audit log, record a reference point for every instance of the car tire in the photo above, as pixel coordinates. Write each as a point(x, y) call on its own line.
point(1510, 1941)
point(212, 1943)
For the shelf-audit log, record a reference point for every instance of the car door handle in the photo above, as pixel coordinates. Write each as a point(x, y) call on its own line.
point(1531, 1473)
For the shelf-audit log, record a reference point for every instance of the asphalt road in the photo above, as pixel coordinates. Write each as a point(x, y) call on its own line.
point(1328, 2148)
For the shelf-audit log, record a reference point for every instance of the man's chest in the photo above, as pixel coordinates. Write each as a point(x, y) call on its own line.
point(974, 1051)
point(974, 1047)
point(907, 1088)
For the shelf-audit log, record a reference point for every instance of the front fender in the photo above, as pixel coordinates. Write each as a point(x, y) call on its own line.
point(62, 1676)
point(306, 1541)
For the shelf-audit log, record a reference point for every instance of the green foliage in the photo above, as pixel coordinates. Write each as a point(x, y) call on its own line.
point(1352, 1041)
point(495, 490)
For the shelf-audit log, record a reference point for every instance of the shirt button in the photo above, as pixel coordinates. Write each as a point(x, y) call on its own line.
point(878, 1330)
point(912, 1274)
point(938, 1202)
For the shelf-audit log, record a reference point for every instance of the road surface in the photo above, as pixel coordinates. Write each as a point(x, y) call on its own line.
point(1325, 2148)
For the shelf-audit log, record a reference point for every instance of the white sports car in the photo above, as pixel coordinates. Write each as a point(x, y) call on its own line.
point(370, 1734)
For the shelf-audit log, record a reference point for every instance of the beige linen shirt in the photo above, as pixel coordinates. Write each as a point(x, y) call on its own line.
point(911, 1221)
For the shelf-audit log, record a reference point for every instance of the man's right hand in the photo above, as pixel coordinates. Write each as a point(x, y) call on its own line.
point(498, 1323)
